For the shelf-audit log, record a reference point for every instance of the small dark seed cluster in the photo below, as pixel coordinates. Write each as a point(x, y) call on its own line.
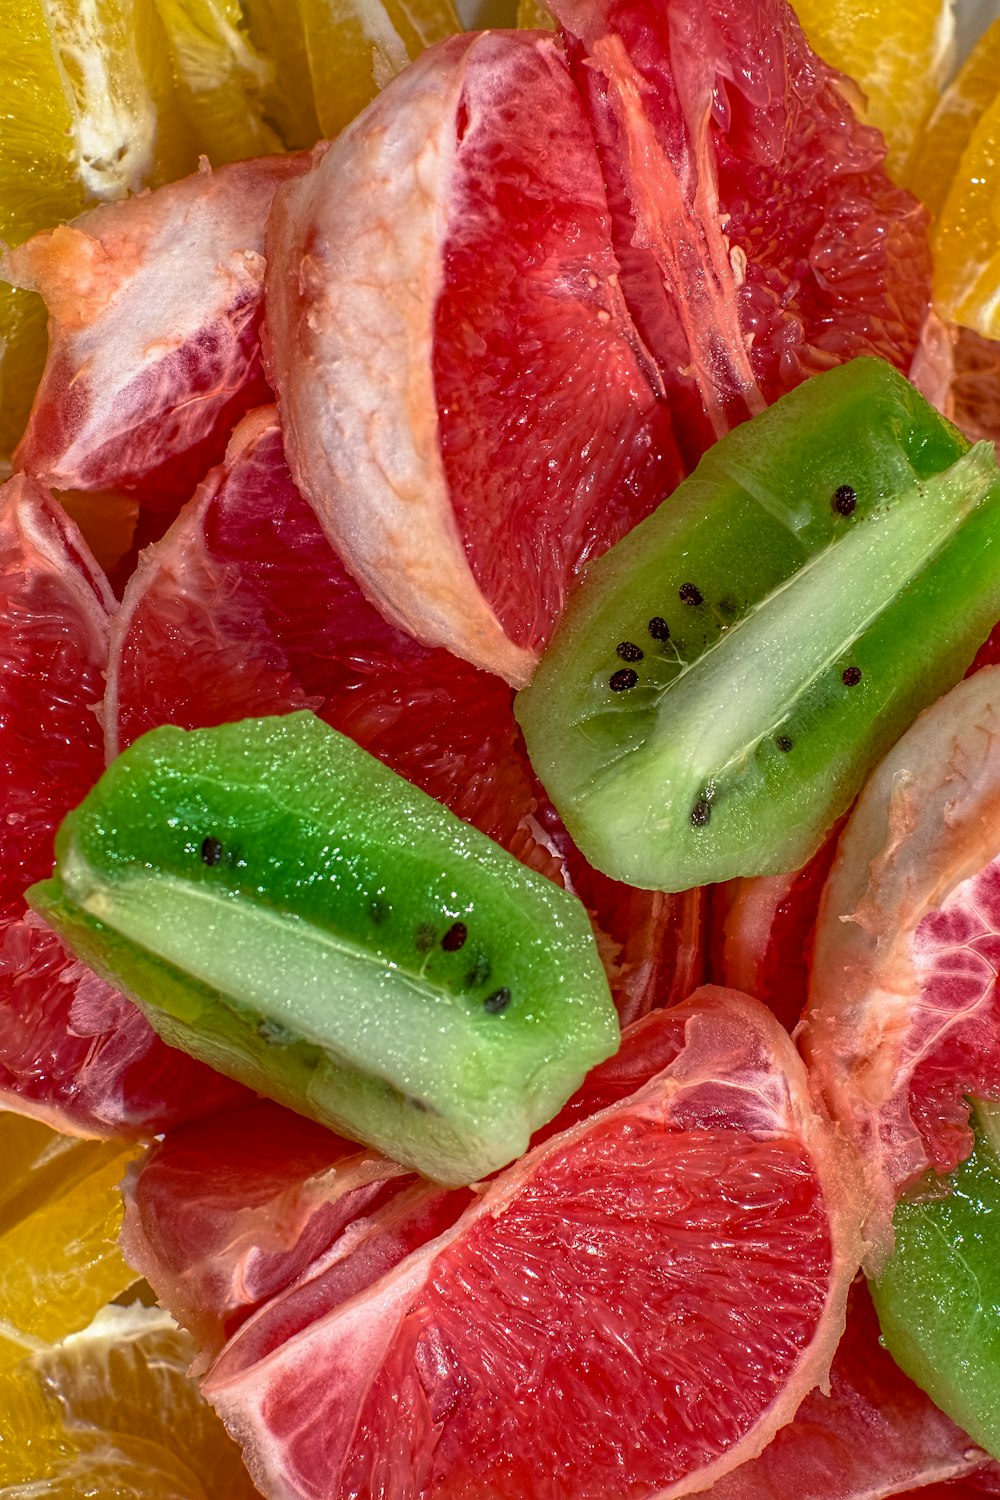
point(845, 499)
point(629, 651)
point(211, 851)
point(498, 1001)
point(623, 679)
point(851, 676)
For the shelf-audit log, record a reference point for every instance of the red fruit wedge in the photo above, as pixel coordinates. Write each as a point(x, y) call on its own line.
point(154, 309)
point(72, 1051)
point(903, 1020)
point(759, 236)
point(975, 388)
point(243, 608)
point(450, 259)
point(762, 934)
point(632, 1309)
point(875, 1434)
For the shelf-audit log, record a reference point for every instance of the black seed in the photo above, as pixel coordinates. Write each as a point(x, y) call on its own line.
point(424, 938)
point(700, 813)
point(845, 498)
point(689, 594)
point(211, 851)
point(380, 911)
point(851, 676)
point(629, 651)
point(622, 680)
point(498, 1001)
point(783, 742)
point(479, 973)
point(658, 628)
point(418, 1104)
point(454, 937)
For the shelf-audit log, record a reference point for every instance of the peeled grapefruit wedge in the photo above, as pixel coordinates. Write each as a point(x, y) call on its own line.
point(903, 1020)
point(72, 1051)
point(632, 1309)
point(243, 609)
point(154, 309)
point(466, 400)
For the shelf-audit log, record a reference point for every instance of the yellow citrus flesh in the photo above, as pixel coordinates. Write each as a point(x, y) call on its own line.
point(60, 1214)
point(111, 1412)
point(277, 29)
point(949, 130)
point(533, 15)
point(222, 79)
point(898, 54)
point(356, 46)
point(966, 238)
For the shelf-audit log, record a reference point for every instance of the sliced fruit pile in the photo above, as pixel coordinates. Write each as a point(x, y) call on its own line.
point(353, 428)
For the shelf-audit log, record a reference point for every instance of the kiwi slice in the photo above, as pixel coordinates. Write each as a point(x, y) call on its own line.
point(724, 678)
point(938, 1296)
point(284, 907)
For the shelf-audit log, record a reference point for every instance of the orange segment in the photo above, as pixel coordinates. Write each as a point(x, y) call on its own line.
point(222, 79)
point(949, 130)
point(60, 1213)
point(356, 46)
point(966, 240)
point(900, 55)
point(111, 1411)
point(277, 30)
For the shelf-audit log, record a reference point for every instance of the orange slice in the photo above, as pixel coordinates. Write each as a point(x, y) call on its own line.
point(111, 1411)
point(949, 130)
point(966, 241)
point(60, 1213)
point(900, 56)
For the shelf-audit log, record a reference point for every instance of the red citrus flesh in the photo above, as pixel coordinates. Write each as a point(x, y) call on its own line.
point(633, 1308)
point(450, 257)
point(154, 312)
point(902, 1022)
point(764, 240)
point(72, 1051)
point(243, 608)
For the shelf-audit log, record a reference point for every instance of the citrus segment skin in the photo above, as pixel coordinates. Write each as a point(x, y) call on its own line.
point(154, 308)
point(72, 1050)
point(285, 908)
point(902, 1021)
point(446, 526)
point(760, 239)
point(214, 628)
point(767, 612)
point(693, 1236)
point(875, 1433)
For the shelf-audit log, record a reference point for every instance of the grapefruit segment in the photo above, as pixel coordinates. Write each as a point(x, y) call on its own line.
point(154, 308)
point(765, 241)
point(215, 627)
point(72, 1051)
point(476, 290)
point(903, 1020)
point(690, 1241)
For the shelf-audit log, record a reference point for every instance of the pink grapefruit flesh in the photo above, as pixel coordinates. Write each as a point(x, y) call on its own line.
point(449, 258)
point(154, 311)
point(903, 1020)
point(634, 1308)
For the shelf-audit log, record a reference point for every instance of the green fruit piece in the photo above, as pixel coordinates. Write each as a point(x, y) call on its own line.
point(725, 677)
point(287, 909)
point(938, 1296)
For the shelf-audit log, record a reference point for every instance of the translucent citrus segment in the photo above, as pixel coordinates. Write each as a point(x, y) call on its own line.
point(939, 152)
point(60, 1213)
point(900, 55)
point(356, 46)
point(966, 236)
point(533, 15)
point(112, 1412)
point(222, 79)
point(277, 29)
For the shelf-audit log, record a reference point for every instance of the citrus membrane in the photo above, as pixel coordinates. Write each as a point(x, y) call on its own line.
point(290, 911)
point(725, 677)
point(937, 1294)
